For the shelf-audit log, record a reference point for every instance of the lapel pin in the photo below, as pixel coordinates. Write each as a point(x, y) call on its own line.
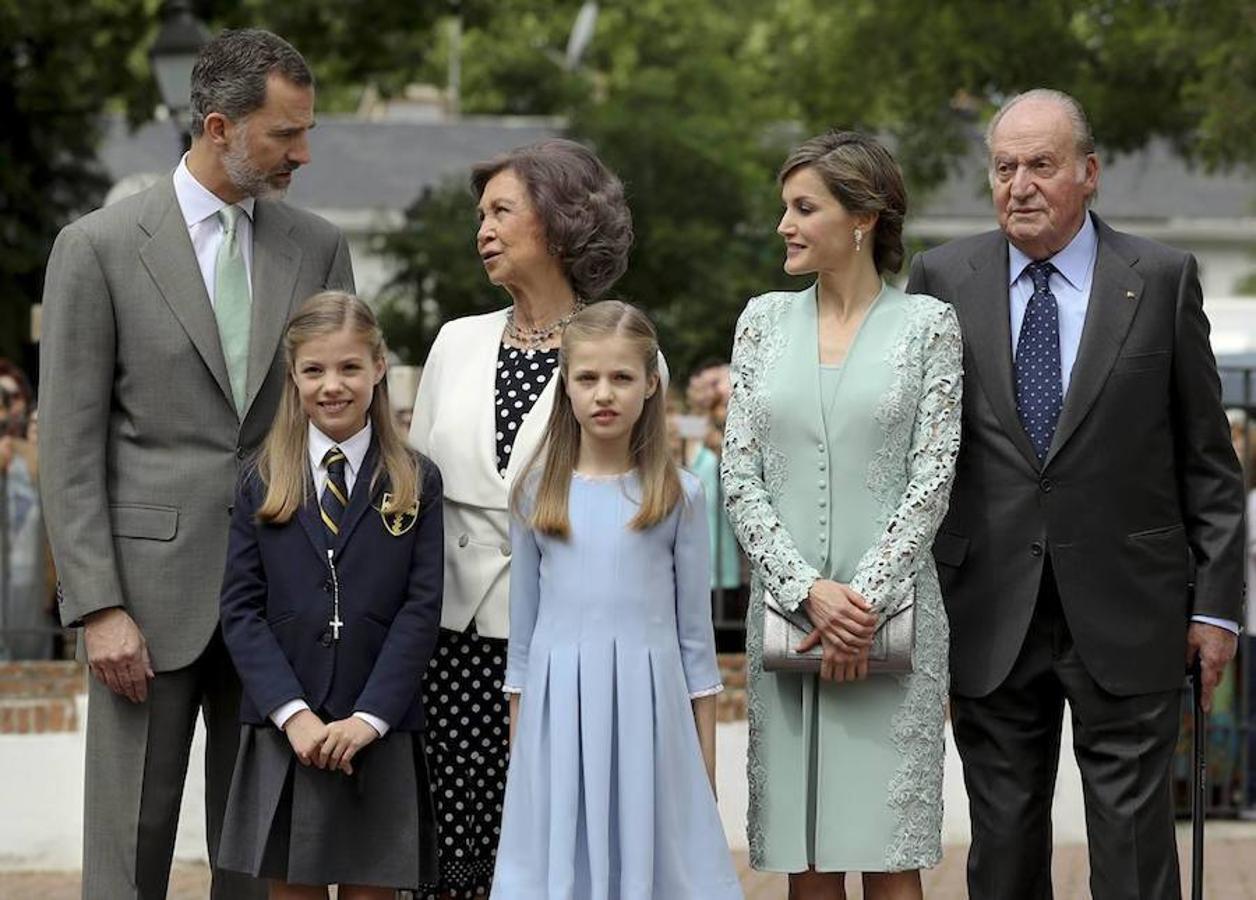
point(1130, 295)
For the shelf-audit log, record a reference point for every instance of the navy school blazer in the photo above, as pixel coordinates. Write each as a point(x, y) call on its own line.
point(276, 603)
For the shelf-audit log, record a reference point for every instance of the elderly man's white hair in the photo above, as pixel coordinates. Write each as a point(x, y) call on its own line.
point(1083, 138)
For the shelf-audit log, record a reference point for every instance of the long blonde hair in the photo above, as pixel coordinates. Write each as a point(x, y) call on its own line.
point(557, 456)
point(283, 463)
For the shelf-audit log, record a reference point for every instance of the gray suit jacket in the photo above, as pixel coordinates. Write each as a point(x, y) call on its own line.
point(140, 443)
point(1140, 496)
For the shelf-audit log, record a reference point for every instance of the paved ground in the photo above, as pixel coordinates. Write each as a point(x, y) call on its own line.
point(1230, 855)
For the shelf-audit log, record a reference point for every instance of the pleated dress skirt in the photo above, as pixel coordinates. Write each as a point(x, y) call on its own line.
point(305, 825)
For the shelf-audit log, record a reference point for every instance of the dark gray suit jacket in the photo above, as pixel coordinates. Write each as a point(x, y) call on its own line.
point(1140, 495)
point(140, 441)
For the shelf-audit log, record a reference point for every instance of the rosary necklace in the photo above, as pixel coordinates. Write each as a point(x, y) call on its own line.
point(532, 339)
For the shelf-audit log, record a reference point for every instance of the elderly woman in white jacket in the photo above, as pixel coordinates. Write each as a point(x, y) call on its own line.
point(554, 233)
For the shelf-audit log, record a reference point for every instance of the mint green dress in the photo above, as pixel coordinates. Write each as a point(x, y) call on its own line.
point(844, 473)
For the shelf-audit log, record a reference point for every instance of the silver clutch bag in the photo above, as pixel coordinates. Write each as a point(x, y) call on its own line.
point(892, 645)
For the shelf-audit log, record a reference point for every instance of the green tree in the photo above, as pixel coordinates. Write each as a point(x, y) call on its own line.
point(61, 64)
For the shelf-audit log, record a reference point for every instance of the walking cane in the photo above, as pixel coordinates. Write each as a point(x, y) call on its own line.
point(1199, 782)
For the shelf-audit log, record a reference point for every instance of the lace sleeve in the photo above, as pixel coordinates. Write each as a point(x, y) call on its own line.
point(776, 561)
point(886, 573)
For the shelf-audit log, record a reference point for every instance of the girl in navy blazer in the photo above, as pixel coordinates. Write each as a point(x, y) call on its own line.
point(330, 608)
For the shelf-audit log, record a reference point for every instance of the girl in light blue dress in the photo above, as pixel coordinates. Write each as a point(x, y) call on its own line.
point(611, 664)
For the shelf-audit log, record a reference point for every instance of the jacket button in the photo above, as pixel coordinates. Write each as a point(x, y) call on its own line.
point(240, 453)
point(505, 548)
point(327, 586)
point(1045, 485)
point(462, 540)
point(325, 638)
point(1035, 549)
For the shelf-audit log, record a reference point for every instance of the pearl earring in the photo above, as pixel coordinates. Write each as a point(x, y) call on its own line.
point(858, 239)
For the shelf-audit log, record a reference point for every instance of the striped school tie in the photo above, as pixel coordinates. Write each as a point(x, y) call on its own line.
point(335, 497)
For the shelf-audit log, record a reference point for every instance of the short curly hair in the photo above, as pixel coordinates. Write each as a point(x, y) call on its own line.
point(862, 175)
point(581, 205)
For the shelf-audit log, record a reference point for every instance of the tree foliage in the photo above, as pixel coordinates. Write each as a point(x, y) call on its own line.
point(53, 89)
point(692, 103)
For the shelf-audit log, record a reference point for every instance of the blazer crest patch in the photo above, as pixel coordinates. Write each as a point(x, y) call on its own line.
point(398, 523)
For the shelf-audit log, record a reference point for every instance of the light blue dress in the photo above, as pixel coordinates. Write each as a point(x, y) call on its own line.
point(607, 797)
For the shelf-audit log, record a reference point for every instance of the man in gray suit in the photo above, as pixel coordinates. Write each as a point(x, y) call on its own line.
point(1094, 542)
point(161, 371)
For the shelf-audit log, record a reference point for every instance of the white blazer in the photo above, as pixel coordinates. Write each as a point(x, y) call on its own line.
point(454, 424)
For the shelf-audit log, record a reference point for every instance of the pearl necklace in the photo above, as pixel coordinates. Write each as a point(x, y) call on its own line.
point(533, 339)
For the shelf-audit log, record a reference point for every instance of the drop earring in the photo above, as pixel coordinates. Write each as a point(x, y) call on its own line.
point(858, 239)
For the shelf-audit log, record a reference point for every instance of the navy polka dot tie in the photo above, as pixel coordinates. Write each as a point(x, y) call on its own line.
point(1039, 387)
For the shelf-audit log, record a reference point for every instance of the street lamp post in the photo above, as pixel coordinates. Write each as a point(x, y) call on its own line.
point(172, 56)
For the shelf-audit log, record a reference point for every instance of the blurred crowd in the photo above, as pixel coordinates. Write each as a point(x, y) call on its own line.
point(28, 625)
point(696, 430)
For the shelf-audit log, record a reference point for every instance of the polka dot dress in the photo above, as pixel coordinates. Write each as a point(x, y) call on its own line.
point(521, 376)
point(468, 716)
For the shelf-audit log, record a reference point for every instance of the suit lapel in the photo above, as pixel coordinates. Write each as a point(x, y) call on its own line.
point(981, 302)
point(276, 263)
point(170, 260)
point(1115, 292)
point(311, 521)
point(359, 499)
point(479, 375)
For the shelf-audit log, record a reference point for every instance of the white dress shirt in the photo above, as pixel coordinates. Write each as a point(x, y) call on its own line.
point(1070, 283)
point(200, 207)
point(354, 450)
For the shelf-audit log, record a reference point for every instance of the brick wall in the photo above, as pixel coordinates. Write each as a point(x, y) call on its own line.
point(40, 697)
point(731, 704)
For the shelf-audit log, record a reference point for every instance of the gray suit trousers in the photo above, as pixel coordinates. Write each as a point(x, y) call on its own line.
point(137, 758)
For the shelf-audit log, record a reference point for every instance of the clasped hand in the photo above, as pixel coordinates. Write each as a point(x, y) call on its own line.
point(327, 746)
point(844, 624)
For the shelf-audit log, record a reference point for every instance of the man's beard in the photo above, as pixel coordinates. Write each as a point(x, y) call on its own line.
point(248, 178)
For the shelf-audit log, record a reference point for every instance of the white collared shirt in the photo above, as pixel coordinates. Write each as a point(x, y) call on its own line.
point(354, 450)
point(200, 207)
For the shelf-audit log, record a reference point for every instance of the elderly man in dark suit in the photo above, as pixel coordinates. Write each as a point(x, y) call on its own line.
point(1094, 543)
point(161, 371)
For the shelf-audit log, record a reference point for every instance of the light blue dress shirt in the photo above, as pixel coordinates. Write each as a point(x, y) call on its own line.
point(1070, 283)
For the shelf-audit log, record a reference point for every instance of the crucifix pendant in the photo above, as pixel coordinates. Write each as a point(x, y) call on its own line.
point(335, 624)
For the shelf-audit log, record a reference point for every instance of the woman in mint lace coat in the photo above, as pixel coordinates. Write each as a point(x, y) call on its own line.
point(839, 454)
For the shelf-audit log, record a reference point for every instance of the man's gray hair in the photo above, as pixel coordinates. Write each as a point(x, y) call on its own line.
point(1083, 138)
point(231, 72)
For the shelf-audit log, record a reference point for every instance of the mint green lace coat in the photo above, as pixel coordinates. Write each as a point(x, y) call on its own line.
point(848, 481)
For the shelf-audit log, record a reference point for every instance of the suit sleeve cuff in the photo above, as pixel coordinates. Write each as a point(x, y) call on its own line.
point(380, 726)
point(1227, 624)
point(286, 711)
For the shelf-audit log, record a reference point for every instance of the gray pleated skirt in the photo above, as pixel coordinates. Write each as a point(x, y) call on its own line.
point(304, 825)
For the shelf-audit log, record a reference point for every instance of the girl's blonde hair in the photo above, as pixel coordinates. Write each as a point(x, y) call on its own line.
point(557, 456)
point(284, 462)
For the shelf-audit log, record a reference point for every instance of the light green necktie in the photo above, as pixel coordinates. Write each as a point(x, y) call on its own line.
point(231, 304)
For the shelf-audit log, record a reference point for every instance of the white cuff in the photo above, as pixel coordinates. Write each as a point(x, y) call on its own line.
point(1232, 627)
point(511, 689)
point(706, 692)
point(380, 726)
point(286, 711)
